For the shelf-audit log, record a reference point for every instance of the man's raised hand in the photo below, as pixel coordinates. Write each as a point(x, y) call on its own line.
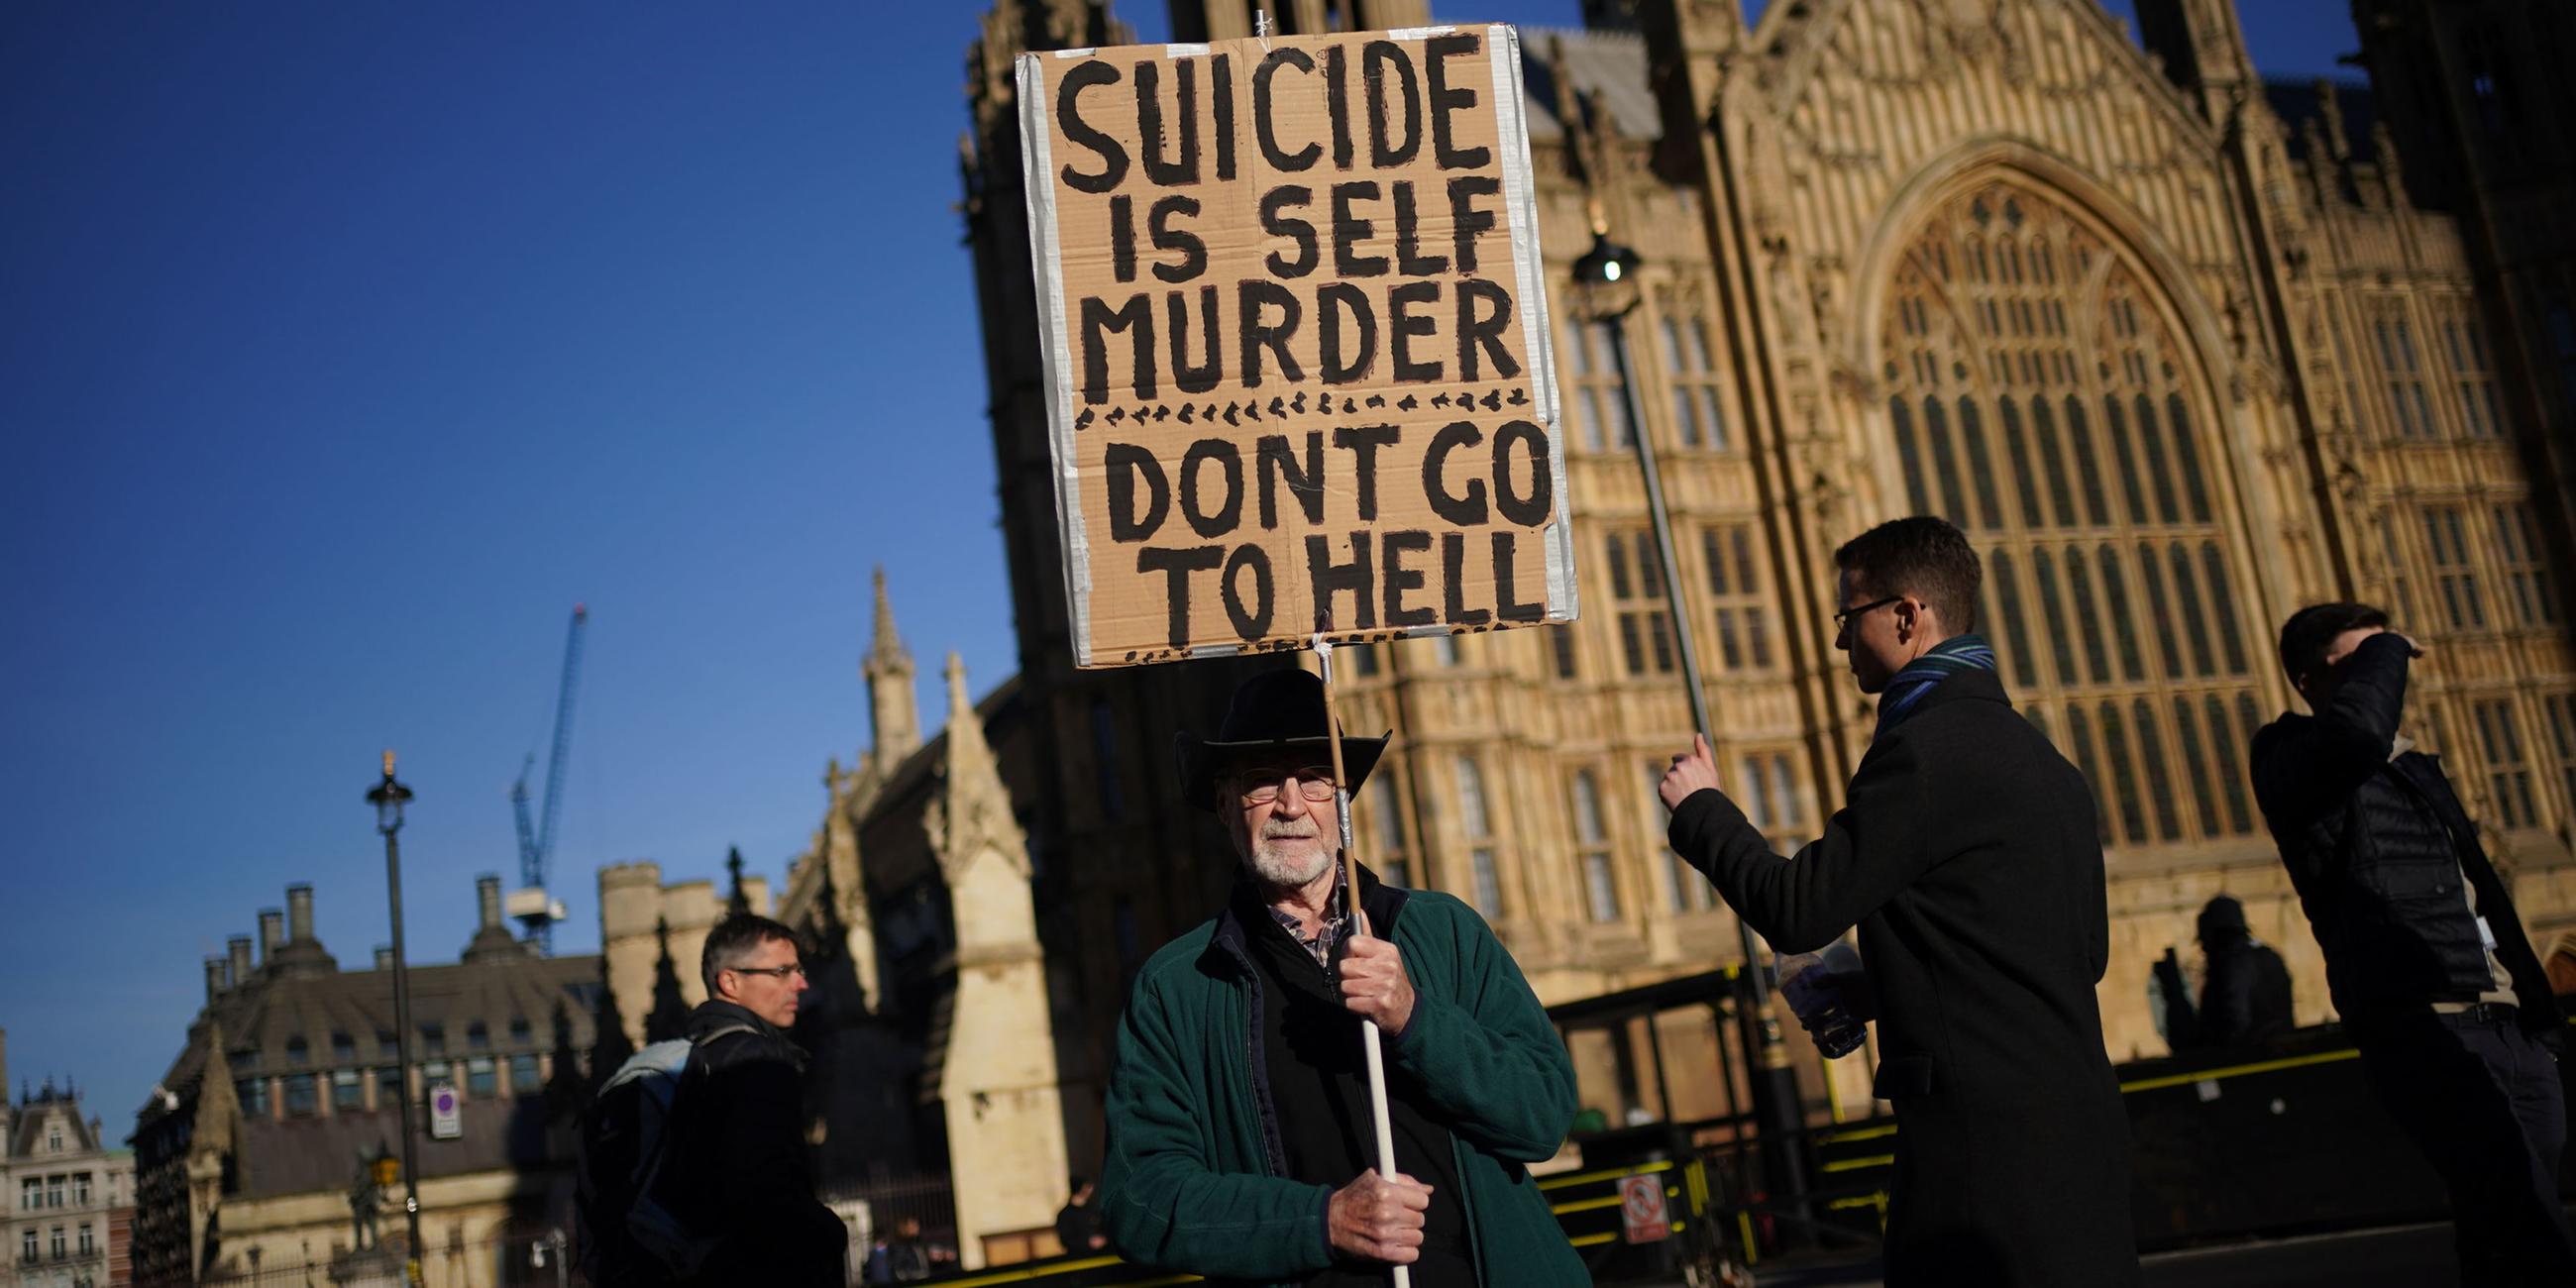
point(1379, 1219)
point(1691, 771)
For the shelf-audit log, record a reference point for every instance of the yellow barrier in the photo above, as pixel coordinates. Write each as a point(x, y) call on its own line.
point(1605, 1174)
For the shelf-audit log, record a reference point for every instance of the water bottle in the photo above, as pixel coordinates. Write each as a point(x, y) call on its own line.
point(1813, 985)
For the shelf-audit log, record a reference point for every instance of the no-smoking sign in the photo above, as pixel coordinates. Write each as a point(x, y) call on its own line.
point(1642, 1215)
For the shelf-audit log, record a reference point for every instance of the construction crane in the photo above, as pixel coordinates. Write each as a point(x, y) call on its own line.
point(530, 905)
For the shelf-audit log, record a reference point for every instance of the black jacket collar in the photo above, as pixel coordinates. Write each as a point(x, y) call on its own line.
point(1965, 686)
point(716, 1015)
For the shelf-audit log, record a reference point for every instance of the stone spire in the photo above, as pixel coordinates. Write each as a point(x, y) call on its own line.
point(894, 713)
point(739, 903)
point(973, 817)
point(994, 1077)
point(212, 1137)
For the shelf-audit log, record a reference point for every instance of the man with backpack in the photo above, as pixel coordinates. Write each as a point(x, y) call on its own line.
point(695, 1170)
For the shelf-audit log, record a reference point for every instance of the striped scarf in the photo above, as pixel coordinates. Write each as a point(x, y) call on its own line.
point(1950, 657)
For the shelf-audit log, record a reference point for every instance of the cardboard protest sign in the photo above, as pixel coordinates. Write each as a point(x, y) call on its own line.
point(1296, 342)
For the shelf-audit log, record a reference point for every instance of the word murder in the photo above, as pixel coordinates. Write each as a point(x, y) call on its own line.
point(1373, 573)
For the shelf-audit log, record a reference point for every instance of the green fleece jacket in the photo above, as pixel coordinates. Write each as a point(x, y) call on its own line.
point(1193, 1179)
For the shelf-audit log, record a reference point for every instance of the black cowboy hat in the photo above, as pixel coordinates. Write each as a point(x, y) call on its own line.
point(1271, 712)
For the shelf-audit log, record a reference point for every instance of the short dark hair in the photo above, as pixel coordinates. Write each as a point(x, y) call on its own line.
point(2312, 630)
point(733, 939)
point(1920, 556)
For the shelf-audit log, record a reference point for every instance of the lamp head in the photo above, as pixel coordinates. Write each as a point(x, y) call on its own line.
point(388, 797)
point(1606, 264)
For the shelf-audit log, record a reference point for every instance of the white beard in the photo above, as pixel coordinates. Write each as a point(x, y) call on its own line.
point(1289, 862)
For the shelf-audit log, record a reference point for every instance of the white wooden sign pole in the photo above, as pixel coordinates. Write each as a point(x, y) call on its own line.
point(1370, 1042)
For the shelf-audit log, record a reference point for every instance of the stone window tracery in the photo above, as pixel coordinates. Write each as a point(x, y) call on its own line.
point(2039, 395)
point(1697, 418)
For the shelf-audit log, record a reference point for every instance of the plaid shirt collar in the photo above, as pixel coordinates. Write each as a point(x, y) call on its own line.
point(1337, 923)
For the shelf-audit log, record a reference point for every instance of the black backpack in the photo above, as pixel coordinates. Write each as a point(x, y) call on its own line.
point(634, 1210)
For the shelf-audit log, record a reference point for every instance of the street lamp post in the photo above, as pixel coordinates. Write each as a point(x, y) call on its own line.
point(1606, 276)
point(389, 797)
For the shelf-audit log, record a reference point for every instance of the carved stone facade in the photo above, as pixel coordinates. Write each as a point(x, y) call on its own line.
point(2181, 349)
point(930, 1019)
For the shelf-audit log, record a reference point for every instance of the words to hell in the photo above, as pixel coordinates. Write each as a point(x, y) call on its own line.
point(1363, 579)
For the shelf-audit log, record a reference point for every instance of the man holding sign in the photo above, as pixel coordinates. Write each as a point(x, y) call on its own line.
point(1241, 1144)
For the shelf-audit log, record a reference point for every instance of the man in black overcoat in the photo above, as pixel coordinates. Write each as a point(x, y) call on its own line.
point(1970, 857)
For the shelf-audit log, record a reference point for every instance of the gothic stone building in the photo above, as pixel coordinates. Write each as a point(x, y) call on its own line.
point(249, 1154)
point(2180, 348)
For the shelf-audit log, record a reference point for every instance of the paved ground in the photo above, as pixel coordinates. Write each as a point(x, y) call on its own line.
point(2415, 1256)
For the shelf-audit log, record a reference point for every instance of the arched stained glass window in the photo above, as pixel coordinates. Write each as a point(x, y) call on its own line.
point(2042, 395)
point(2187, 456)
point(2123, 771)
point(2152, 575)
point(2195, 624)
point(1945, 462)
point(1981, 469)
point(2088, 621)
point(2158, 468)
point(2116, 594)
point(2053, 607)
point(2232, 780)
point(2061, 489)
point(2097, 506)
point(2079, 731)
point(2025, 470)
point(2117, 425)
point(2160, 792)
point(2016, 641)
point(2198, 765)
point(2222, 606)
point(1908, 456)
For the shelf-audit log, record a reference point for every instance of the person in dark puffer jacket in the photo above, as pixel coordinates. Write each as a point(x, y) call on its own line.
point(2425, 956)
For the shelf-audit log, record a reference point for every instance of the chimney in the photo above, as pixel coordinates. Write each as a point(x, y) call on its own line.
point(299, 912)
point(272, 933)
point(487, 900)
point(214, 978)
point(384, 957)
point(238, 973)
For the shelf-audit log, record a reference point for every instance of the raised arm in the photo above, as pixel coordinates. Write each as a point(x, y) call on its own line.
point(1871, 849)
point(2303, 769)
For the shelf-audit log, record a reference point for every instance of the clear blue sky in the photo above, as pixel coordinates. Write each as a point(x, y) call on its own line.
point(347, 346)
